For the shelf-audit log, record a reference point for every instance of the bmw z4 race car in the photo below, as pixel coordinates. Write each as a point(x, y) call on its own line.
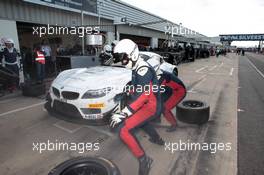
point(88, 93)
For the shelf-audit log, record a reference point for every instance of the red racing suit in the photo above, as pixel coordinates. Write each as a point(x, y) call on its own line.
point(174, 93)
point(144, 105)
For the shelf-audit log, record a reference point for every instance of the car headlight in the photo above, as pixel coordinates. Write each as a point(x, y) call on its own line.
point(96, 93)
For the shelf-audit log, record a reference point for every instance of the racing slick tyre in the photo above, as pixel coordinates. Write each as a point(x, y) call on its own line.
point(86, 165)
point(193, 112)
point(33, 90)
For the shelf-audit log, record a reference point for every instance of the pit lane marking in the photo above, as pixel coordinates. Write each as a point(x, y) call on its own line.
point(212, 68)
point(221, 64)
point(217, 74)
point(199, 70)
point(231, 71)
point(202, 79)
point(100, 130)
point(94, 128)
point(260, 73)
point(66, 129)
point(192, 91)
point(240, 110)
point(22, 109)
point(6, 101)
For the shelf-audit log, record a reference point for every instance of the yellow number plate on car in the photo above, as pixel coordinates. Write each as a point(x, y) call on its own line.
point(96, 106)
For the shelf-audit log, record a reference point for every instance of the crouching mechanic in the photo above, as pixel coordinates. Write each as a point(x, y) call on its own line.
point(173, 94)
point(143, 105)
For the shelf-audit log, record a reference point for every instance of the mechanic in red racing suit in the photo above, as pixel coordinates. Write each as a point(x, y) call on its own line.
point(144, 104)
point(174, 93)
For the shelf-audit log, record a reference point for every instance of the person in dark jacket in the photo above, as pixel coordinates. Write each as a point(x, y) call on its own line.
point(9, 59)
point(174, 93)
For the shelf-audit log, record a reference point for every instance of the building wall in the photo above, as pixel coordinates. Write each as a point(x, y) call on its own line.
point(140, 31)
point(113, 9)
point(34, 13)
point(134, 15)
point(108, 10)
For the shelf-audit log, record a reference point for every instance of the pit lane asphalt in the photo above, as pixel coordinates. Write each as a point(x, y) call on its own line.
point(251, 115)
point(24, 121)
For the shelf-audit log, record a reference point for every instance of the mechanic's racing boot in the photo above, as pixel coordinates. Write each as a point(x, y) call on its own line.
point(144, 165)
point(172, 128)
point(158, 141)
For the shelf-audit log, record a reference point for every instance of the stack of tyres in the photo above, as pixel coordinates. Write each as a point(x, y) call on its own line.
point(33, 89)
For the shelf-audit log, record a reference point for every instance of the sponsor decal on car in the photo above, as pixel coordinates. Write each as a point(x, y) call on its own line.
point(96, 105)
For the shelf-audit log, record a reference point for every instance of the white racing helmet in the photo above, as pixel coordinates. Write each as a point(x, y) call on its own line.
point(127, 52)
point(107, 49)
point(114, 43)
point(9, 41)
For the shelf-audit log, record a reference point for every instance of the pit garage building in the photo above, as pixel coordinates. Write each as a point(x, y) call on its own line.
point(116, 20)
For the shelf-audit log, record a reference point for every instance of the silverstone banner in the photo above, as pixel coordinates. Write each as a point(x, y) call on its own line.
point(242, 37)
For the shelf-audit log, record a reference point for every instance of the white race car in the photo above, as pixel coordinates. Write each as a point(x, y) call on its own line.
point(88, 93)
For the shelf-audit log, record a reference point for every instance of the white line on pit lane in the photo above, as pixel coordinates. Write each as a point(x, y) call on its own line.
point(221, 64)
point(212, 68)
point(95, 128)
point(199, 70)
point(6, 101)
point(202, 79)
point(260, 73)
point(22, 109)
point(192, 91)
point(65, 129)
point(231, 71)
point(100, 130)
point(216, 74)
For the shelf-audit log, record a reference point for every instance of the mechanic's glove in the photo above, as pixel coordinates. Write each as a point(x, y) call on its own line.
point(127, 111)
point(117, 118)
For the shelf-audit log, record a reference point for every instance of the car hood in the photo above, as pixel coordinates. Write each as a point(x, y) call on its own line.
point(93, 77)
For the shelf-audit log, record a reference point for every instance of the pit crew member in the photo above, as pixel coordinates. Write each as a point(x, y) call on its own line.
point(143, 105)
